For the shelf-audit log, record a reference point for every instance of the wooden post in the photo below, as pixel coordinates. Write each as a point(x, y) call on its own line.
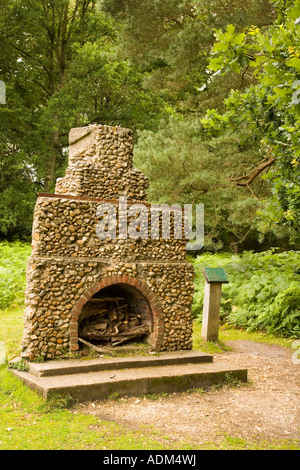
point(214, 278)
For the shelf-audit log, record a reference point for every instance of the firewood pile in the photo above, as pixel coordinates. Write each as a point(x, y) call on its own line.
point(113, 323)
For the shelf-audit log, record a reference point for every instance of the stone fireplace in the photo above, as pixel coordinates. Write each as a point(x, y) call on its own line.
point(104, 291)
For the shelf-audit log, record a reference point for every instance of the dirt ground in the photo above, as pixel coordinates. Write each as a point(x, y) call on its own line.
point(267, 408)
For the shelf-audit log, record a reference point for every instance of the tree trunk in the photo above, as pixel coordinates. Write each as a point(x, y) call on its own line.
point(50, 178)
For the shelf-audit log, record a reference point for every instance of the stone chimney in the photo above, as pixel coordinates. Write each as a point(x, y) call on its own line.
point(129, 288)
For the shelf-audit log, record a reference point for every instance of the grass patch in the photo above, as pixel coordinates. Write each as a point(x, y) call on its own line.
point(11, 329)
point(229, 333)
point(13, 262)
point(19, 365)
point(156, 396)
point(27, 422)
point(237, 443)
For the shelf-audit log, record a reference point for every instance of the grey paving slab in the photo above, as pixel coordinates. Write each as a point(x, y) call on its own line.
point(97, 385)
point(71, 366)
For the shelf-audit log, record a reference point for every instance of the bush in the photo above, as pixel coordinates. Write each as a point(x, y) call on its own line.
point(263, 292)
point(13, 262)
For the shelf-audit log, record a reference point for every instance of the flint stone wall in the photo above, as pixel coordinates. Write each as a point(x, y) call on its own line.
point(100, 165)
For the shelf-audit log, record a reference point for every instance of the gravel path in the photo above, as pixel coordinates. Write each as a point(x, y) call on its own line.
point(267, 408)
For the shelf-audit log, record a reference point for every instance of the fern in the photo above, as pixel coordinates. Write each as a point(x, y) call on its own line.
point(263, 293)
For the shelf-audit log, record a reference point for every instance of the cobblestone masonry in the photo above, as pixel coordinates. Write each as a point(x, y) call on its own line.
point(69, 263)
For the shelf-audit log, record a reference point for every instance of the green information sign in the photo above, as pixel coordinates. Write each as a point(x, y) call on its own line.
point(216, 275)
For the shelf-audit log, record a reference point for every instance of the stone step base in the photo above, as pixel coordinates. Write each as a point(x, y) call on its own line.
point(101, 384)
point(74, 366)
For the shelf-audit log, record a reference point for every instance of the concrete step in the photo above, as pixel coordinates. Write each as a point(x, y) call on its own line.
point(75, 366)
point(91, 386)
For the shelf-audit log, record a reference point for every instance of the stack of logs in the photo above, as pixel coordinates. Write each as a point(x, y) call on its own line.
point(113, 323)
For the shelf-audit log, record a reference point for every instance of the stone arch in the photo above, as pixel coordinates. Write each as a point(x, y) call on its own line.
point(154, 303)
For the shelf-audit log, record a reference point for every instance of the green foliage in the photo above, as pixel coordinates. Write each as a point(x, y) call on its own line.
point(186, 168)
point(58, 403)
point(67, 64)
point(61, 69)
point(13, 259)
point(263, 292)
point(269, 109)
point(102, 87)
point(20, 365)
point(171, 40)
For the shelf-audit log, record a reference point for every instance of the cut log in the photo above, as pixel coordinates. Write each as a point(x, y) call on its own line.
point(93, 333)
point(96, 348)
point(137, 331)
point(123, 327)
point(121, 306)
point(134, 322)
point(100, 326)
point(95, 318)
point(113, 316)
point(122, 339)
point(114, 323)
point(117, 343)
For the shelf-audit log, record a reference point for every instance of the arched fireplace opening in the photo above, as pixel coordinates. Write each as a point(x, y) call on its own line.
point(116, 315)
point(144, 311)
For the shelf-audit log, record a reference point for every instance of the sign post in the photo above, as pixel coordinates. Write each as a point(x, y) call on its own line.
point(214, 278)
